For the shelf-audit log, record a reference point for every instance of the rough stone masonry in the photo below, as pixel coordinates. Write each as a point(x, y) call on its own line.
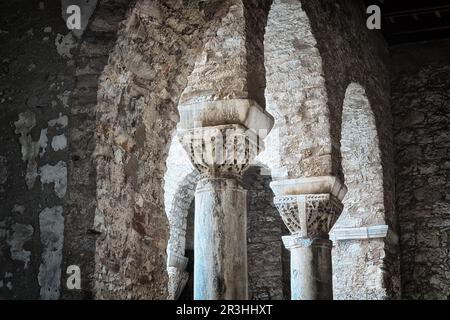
point(92, 173)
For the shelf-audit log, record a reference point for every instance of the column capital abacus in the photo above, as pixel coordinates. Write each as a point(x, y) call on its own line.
point(222, 138)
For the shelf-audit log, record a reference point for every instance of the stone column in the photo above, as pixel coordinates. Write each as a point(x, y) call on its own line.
point(309, 207)
point(220, 263)
point(222, 138)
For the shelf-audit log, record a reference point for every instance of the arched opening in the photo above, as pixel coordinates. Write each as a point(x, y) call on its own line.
point(180, 181)
point(358, 234)
point(268, 263)
point(188, 291)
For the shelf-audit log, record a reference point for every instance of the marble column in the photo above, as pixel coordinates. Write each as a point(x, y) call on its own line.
point(220, 255)
point(309, 207)
point(222, 138)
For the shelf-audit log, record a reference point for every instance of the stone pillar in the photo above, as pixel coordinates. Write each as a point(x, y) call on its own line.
point(220, 240)
point(309, 207)
point(222, 138)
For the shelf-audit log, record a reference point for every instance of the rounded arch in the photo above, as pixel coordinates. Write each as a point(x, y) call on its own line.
point(137, 114)
point(361, 162)
point(180, 181)
point(358, 256)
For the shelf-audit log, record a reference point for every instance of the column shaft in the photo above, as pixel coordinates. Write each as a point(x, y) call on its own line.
point(309, 207)
point(311, 271)
point(220, 255)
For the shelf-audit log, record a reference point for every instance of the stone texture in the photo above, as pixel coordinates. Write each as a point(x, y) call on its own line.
point(87, 119)
point(364, 204)
point(264, 245)
point(350, 52)
point(139, 91)
point(34, 81)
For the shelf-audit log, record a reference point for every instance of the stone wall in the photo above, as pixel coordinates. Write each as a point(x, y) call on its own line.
point(328, 53)
point(264, 245)
point(112, 103)
point(36, 78)
point(136, 117)
point(95, 46)
point(86, 122)
point(49, 83)
point(420, 100)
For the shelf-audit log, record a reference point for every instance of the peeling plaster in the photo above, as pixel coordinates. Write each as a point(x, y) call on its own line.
point(56, 174)
point(51, 223)
point(30, 149)
point(18, 209)
point(20, 235)
point(60, 122)
point(59, 142)
point(5, 281)
point(64, 44)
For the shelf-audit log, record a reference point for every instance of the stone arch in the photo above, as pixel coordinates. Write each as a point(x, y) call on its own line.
point(300, 144)
point(361, 162)
point(351, 53)
point(136, 117)
point(359, 232)
point(180, 181)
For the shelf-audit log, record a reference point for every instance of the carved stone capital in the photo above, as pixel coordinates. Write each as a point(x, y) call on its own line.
point(311, 214)
point(244, 112)
point(222, 138)
point(221, 151)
